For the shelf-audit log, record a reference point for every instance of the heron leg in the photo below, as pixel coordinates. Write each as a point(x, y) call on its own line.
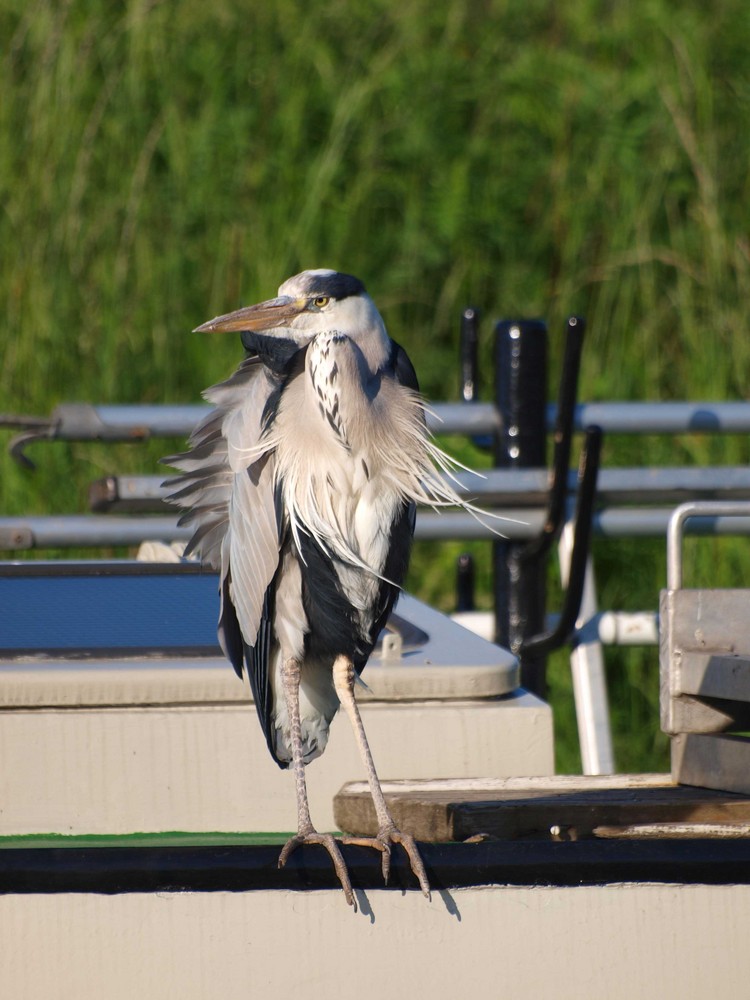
point(291, 672)
point(388, 833)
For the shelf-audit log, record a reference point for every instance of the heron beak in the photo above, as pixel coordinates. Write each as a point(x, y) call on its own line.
point(263, 316)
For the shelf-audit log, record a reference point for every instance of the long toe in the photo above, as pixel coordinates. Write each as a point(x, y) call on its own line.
point(385, 838)
point(329, 842)
point(415, 859)
point(380, 843)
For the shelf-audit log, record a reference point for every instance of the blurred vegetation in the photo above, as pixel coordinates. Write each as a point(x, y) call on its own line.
point(161, 163)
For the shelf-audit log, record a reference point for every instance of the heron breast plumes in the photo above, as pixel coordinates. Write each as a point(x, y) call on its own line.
point(326, 355)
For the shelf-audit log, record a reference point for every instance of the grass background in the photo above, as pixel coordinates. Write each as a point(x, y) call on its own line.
point(163, 162)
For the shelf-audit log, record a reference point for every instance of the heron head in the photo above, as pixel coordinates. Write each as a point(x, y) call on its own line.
point(310, 303)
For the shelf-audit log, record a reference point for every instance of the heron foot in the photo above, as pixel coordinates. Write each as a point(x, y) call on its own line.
point(329, 842)
point(386, 837)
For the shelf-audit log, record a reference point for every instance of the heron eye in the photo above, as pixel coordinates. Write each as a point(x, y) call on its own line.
point(321, 301)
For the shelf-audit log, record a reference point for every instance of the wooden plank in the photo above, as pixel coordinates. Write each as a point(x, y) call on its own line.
point(675, 831)
point(718, 762)
point(562, 807)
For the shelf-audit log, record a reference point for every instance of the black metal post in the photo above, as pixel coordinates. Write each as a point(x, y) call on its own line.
point(587, 476)
point(465, 582)
point(563, 438)
point(521, 394)
point(469, 355)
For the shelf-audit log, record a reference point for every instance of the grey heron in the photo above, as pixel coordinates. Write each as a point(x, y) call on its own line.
point(302, 485)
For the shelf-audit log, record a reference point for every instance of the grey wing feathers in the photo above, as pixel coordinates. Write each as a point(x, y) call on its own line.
point(204, 488)
point(227, 484)
point(253, 544)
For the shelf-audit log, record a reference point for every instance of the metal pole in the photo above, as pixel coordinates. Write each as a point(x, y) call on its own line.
point(521, 394)
point(588, 672)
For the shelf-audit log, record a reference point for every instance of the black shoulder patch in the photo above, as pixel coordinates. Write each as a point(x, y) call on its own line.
point(403, 369)
point(396, 565)
point(294, 368)
point(333, 620)
point(276, 353)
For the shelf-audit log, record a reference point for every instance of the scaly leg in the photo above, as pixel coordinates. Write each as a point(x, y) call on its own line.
point(388, 833)
point(306, 832)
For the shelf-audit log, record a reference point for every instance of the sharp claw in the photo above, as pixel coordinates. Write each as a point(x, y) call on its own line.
point(385, 862)
point(417, 866)
point(329, 842)
point(383, 843)
point(291, 845)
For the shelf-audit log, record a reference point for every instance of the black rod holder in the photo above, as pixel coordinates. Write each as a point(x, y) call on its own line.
point(521, 395)
point(465, 582)
point(31, 429)
point(588, 472)
point(469, 355)
point(563, 439)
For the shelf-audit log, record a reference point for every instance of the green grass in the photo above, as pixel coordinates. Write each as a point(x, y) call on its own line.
point(176, 838)
point(160, 164)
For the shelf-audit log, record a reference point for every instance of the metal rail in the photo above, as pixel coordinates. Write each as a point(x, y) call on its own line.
point(519, 494)
point(137, 422)
point(498, 487)
point(107, 530)
point(677, 527)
